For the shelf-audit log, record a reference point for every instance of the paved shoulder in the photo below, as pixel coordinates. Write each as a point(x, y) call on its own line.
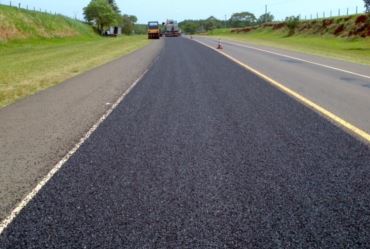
point(38, 131)
point(203, 154)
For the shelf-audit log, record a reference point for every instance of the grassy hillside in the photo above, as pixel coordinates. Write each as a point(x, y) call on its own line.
point(345, 38)
point(39, 50)
point(20, 24)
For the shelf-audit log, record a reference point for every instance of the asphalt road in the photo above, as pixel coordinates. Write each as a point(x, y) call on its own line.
point(38, 131)
point(346, 95)
point(204, 154)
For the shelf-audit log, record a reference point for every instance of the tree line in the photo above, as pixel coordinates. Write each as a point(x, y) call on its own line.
point(103, 14)
point(106, 13)
point(237, 20)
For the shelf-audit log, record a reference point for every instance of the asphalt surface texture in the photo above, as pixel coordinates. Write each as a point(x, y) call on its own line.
point(204, 154)
point(38, 131)
point(346, 95)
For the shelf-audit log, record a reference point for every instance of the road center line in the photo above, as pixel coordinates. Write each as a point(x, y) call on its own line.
point(15, 212)
point(329, 115)
point(298, 59)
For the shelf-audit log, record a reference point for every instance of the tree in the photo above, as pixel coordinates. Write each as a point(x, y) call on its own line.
point(128, 23)
point(367, 6)
point(189, 27)
point(100, 13)
point(114, 6)
point(292, 23)
point(133, 19)
point(242, 19)
point(265, 18)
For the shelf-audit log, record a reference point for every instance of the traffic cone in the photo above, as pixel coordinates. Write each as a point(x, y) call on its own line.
point(219, 46)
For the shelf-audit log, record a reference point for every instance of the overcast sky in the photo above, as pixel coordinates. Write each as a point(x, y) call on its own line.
point(160, 10)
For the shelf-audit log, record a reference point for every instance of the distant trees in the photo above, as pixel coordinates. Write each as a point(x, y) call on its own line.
point(367, 6)
point(193, 26)
point(128, 24)
point(242, 19)
point(265, 18)
point(189, 27)
point(292, 23)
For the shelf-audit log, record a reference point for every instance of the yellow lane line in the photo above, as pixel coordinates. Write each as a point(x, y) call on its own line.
point(331, 116)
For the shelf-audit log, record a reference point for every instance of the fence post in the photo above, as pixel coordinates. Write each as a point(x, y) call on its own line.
point(317, 15)
point(323, 14)
point(356, 10)
point(331, 13)
point(338, 12)
point(19, 5)
point(347, 11)
point(10, 4)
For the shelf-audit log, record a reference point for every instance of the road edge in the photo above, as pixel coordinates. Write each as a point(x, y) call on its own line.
point(24, 202)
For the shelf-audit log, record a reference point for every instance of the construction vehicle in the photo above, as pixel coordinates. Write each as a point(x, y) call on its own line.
point(171, 29)
point(154, 31)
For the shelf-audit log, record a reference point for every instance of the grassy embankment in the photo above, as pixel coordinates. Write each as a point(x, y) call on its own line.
point(346, 38)
point(39, 50)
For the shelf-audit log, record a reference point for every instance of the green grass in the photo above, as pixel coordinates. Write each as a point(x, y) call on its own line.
point(29, 66)
point(353, 50)
point(18, 24)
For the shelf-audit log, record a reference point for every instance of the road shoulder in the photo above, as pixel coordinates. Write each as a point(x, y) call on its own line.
point(36, 132)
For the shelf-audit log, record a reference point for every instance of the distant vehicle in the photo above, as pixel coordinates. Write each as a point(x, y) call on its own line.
point(171, 29)
point(154, 31)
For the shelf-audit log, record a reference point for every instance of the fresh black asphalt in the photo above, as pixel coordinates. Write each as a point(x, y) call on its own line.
point(204, 154)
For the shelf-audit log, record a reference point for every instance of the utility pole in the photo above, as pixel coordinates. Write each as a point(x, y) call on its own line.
point(266, 13)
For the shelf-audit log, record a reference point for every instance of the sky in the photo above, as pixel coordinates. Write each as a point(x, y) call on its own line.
point(160, 10)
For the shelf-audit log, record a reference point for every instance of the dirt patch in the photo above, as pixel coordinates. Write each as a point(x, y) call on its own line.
point(241, 30)
point(327, 22)
point(9, 32)
point(361, 19)
point(268, 25)
point(346, 19)
point(278, 26)
point(339, 30)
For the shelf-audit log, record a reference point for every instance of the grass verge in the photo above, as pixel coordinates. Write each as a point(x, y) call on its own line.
point(27, 67)
point(352, 50)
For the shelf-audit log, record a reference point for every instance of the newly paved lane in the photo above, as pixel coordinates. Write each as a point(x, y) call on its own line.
point(344, 94)
point(203, 154)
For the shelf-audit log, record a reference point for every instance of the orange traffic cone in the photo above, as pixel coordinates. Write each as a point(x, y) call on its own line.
point(219, 46)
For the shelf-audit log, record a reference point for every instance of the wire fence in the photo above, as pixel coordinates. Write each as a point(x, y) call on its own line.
point(334, 13)
point(35, 9)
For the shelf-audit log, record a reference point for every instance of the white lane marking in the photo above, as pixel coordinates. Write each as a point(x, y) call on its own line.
point(8, 220)
point(298, 59)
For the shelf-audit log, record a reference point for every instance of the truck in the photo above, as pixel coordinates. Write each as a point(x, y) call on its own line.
point(154, 31)
point(171, 29)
